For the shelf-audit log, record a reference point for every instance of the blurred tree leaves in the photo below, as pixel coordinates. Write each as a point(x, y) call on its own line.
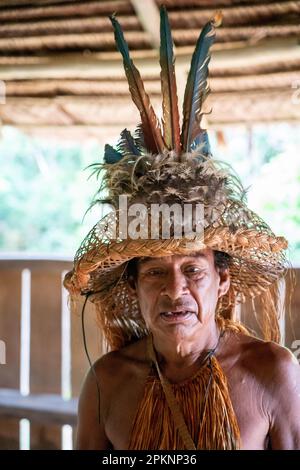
point(44, 193)
point(266, 157)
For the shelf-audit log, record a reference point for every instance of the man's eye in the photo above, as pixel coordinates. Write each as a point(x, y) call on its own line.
point(154, 272)
point(193, 270)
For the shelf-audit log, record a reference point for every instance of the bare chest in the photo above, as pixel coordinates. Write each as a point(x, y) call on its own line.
point(245, 397)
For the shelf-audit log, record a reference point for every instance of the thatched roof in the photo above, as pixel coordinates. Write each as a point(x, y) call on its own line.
point(61, 69)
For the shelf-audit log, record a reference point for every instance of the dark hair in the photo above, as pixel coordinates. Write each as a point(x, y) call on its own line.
point(131, 269)
point(221, 259)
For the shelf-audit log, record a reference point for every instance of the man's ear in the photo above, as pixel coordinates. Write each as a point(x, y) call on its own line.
point(224, 282)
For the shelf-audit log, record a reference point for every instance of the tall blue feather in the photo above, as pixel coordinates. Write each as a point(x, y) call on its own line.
point(197, 89)
point(202, 141)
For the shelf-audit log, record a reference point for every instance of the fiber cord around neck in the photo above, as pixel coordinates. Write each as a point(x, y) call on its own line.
point(170, 397)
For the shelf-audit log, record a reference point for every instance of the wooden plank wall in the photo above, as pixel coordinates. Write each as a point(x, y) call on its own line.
point(45, 343)
point(10, 308)
point(45, 353)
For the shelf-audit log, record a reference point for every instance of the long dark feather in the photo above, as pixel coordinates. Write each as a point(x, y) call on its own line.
point(127, 144)
point(139, 138)
point(168, 85)
point(151, 128)
point(197, 89)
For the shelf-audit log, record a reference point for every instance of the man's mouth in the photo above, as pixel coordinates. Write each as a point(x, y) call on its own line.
point(176, 315)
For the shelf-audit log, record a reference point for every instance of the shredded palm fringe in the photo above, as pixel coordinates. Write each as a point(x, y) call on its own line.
point(212, 422)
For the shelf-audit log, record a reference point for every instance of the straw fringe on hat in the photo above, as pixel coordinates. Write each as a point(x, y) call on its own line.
point(155, 167)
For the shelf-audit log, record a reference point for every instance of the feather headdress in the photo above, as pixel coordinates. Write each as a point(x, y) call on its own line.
point(161, 163)
point(197, 90)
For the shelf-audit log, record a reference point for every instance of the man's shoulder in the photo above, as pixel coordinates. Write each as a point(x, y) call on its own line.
point(281, 366)
point(269, 361)
point(271, 374)
point(126, 360)
point(115, 371)
point(267, 351)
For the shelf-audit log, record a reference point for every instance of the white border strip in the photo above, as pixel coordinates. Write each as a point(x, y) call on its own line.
point(66, 387)
point(25, 333)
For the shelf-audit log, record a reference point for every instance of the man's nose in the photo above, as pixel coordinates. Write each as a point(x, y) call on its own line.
point(175, 285)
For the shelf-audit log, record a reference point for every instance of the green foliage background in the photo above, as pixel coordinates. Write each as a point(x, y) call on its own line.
point(44, 193)
point(266, 157)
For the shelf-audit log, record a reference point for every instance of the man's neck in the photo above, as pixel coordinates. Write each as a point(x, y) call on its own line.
point(181, 351)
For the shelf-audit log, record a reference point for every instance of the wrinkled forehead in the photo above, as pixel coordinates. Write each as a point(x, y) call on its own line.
point(205, 255)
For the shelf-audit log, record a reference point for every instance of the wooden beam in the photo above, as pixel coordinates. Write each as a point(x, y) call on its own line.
point(95, 88)
point(88, 8)
point(182, 37)
point(204, 3)
point(95, 35)
point(41, 408)
point(33, 260)
point(254, 35)
point(278, 66)
point(66, 26)
point(68, 111)
point(45, 44)
point(99, 65)
point(148, 14)
point(235, 15)
point(269, 51)
point(168, 3)
point(30, 3)
point(106, 112)
point(253, 107)
point(268, 82)
point(52, 88)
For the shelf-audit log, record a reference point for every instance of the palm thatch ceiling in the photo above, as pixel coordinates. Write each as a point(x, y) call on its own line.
point(60, 69)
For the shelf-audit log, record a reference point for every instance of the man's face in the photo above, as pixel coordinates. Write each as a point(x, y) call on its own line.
point(179, 294)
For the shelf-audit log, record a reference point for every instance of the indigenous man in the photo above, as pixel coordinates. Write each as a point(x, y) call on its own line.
point(183, 372)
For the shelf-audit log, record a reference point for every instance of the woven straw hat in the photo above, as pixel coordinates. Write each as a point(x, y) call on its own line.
point(152, 168)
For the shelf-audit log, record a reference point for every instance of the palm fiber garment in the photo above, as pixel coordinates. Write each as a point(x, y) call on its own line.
point(205, 405)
